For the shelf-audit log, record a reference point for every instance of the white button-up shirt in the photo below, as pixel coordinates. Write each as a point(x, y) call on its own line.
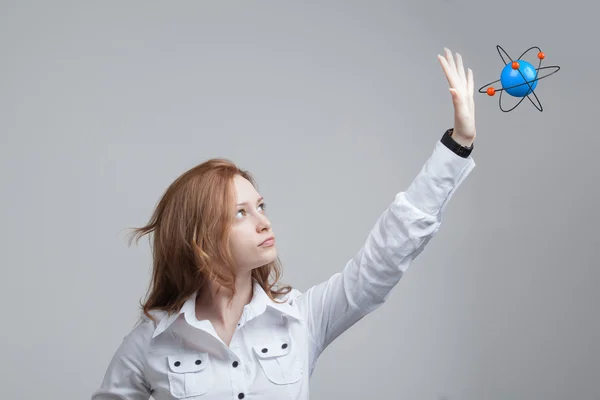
point(275, 346)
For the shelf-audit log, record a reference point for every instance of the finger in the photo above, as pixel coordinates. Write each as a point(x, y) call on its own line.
point(471, 89)
point(460, 68)
point(472, 106)
point(450, 75)
point(470, 82)
point(450, 59)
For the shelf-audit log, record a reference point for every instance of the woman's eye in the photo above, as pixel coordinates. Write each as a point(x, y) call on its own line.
point(240, 213)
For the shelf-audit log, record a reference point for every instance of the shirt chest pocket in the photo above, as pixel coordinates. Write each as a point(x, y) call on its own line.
point(189, 375)
point(279, 360)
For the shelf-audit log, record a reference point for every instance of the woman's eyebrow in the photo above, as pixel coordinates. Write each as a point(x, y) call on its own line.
point(244, 203)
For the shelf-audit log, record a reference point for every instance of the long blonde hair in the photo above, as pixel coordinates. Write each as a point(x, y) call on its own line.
point(190, 238)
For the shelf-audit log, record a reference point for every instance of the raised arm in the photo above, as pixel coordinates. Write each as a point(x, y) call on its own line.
point(399, 235)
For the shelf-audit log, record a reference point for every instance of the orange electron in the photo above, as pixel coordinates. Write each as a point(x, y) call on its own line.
point(515, 65)
point(491, 91)
point(541, 55)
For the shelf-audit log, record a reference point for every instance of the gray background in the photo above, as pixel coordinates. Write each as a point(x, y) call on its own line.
point(334, 106)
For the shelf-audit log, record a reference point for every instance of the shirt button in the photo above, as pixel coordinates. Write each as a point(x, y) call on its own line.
point(198, 362)
point(264, 350)
point(241, 396)
point(283, 346)
point(235, 364)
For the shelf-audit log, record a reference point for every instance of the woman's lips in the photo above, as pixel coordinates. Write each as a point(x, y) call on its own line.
point(268, 242)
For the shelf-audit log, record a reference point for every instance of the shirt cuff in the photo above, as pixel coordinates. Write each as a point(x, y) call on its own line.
point(439, 178)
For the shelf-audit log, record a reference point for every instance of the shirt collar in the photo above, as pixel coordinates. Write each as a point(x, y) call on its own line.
point(260, 301)
point(257, 306)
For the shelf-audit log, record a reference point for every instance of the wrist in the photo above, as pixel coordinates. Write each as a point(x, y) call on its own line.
point(465, 142)
point(462, 148)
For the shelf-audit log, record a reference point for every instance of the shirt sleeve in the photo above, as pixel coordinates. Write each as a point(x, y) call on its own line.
point(398, 237)
point(124, 378)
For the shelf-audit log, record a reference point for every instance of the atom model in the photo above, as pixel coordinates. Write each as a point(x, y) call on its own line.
point(519, 78)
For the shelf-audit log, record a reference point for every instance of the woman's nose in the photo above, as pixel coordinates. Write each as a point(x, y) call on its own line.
point(263, 224)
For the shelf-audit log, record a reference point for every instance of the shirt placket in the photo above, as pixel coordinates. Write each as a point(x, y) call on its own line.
point(239, 380)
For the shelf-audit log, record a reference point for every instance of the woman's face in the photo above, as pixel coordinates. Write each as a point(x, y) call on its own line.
point(252, 240)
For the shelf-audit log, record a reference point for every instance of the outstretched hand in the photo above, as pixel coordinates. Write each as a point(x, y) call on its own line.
point(462, 90)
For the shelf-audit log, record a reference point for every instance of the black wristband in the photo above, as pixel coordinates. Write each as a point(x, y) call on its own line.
point(450, 143)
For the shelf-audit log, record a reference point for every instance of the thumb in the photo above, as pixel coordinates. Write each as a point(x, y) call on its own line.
point(454, 94)
point(456, 99)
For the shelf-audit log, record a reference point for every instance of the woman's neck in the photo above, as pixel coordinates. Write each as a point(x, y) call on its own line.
point(219, 305)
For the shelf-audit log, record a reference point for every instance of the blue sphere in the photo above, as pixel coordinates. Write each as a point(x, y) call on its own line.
point(512, 77)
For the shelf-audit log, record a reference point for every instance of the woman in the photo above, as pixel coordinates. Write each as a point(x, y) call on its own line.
point(214, 324)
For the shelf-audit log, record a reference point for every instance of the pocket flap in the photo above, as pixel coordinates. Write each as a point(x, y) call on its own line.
point(186, 363)
point(272, 348)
